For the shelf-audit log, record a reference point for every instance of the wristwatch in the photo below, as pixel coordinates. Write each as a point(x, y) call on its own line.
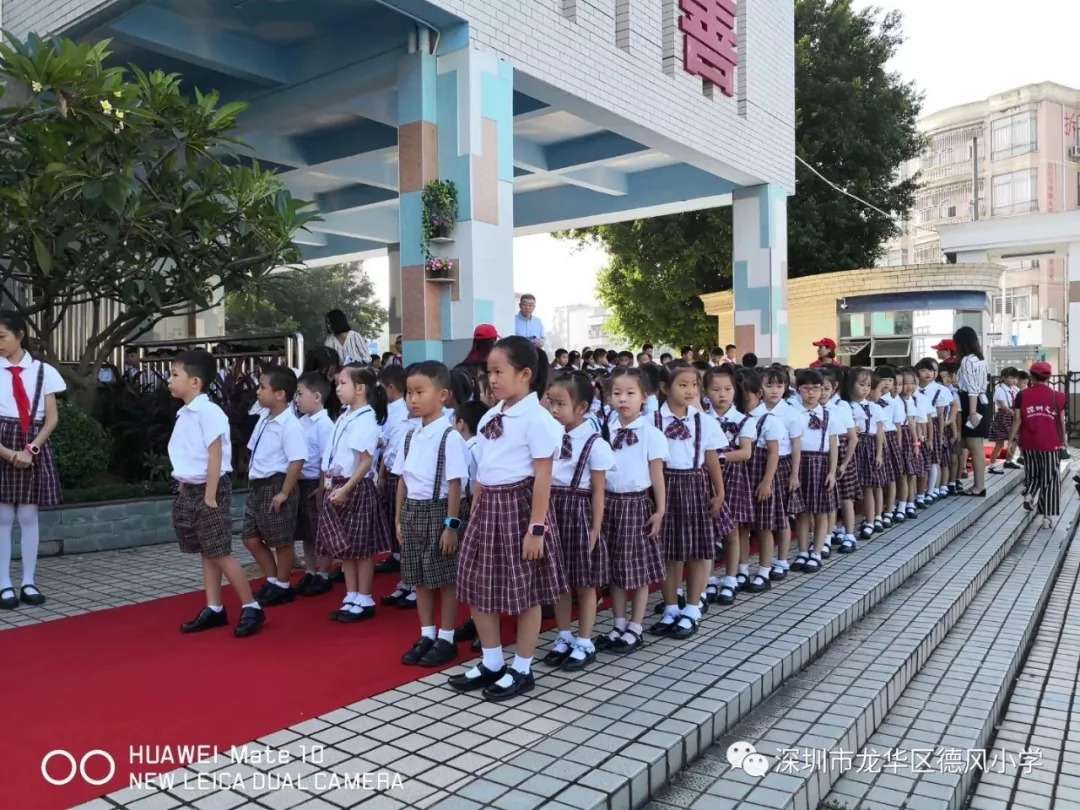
point(537, 529)
point(32, 449)
point(453, 524)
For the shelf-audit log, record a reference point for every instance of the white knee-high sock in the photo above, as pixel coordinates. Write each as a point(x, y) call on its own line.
point(29, 540)
point(932, 478)
point(7, 520)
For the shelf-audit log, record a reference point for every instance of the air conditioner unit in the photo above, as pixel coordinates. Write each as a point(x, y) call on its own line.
point(1074, 152)
point(950, 212)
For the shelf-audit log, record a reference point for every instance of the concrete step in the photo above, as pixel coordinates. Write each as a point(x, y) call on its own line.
point(945, 718)
point(844, 695)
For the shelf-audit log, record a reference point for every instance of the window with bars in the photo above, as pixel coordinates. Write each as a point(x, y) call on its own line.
point(1016, 192)
point(1014, 135)
point(1022, 303)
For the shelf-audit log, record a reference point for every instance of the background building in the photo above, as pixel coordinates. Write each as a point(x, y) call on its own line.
point(580, 325)
point(1028, 163)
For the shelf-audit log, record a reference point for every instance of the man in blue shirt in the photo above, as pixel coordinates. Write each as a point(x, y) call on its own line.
point(526, 325)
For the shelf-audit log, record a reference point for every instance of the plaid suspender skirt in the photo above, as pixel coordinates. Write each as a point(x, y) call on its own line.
point(39, 484)
point(571, 508)
point(636, 560)
point(818, 499)
point(848, 487)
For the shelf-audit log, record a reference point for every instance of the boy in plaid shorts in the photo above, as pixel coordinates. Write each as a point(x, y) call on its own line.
point(312, 390)
point(201, 455)
point(278, 452)
point(432, 462)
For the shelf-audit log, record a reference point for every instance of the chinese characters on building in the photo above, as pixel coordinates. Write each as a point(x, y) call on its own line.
point(709, 41)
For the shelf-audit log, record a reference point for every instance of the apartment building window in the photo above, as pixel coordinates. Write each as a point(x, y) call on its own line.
point(1016, 192)
point(1014, 135)
point(928, 254)
point(1022, 303)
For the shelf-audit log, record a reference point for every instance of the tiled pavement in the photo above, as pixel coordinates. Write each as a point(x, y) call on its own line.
point(944, 720)
point(611, 737)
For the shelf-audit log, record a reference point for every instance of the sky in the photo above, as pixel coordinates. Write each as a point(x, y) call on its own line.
point(955, 51)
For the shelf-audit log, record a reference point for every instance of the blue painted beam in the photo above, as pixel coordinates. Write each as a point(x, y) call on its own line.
point(375, 224)
point(354, 139)
point(525, 105)
point(530, 155)
point(340, 246)
point(310, 238)
point(600, 179)
point(354, 197)
point(590, 149)
point(197, 43)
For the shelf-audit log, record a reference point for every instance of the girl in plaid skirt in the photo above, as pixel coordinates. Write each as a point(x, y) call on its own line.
point(352, 524)
point(775, 384)
point(28, 477)
point(908, 443)
point(722, 390)
point(510, 560)
point(817, 472)
point(934, 399)
point(1004, 399)
point(695, 498)
point(869, 452)
point(577, 503)
point(770, 441)
point(632, 514)
point(882, 396)
point(847, 480)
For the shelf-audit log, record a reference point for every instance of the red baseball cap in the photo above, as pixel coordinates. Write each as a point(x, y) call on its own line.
point(947, 345)
point(1041, 368)
point(828, 343)
point(485, 331)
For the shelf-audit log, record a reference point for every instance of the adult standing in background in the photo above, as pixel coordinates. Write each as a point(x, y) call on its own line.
point(526, 325)
point(349, 345)
point(971, 384)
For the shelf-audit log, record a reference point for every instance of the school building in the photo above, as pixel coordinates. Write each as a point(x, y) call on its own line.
point(545, 114)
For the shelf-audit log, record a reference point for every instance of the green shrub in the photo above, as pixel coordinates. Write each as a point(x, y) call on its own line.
point(81, 445)
point(116, 492)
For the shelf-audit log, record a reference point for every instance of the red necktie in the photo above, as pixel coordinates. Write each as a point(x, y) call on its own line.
point(22, 401)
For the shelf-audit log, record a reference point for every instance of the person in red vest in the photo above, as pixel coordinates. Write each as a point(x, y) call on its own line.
point(1039, 421)
point(946, 351)
point(826, 353)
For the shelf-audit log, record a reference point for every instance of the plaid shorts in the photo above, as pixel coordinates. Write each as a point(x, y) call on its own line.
point(307, 510)
point(422, 560)
point(200, 529)
point(274, 529)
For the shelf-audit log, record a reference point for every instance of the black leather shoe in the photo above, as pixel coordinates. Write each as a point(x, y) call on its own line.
point(404, 603)
point(391, 565)
point(777, 574)
point(34, 597)
point(276, 595)
point(304, 583)
point(556, 657)
point(206, 620)
point(519, 686)
point(394, 598)
point(251, 619)
point(574, 664)
point(681, 632)
point(465, 632)
point(338, 575)
point(758, 585)
point(335, 615)
point(353, 616)
point(8, 599)
point(317, 587)
point(442, 652)
point(726, 595)
point(419, 649)
point(662, 628)
point(264, 589)
point(485, 679)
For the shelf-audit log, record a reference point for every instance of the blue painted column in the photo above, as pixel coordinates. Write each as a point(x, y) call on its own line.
point(456, 123)
point(759, 274)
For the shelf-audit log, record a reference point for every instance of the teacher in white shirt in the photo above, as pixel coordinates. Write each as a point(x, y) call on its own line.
point(526, 325)
point(350, 346)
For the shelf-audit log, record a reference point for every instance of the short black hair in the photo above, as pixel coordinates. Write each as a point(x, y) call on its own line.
point(198, 364)
point(730, 346)
point(435, 371)
point(686, 349)
point(665, 354)
point(316, 383)
point(625, 355)
point(280, 378)
point(749, 360)
point(471, 413)
point(560, 351)
point(394, 375)
point(717, 351)
point(612, 355)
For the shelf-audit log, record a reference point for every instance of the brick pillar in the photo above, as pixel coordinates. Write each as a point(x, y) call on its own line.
point(759, 274)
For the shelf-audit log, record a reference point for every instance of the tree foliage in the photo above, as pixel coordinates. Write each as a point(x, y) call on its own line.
point(854, 122)
point(298, 300)
point(116, 185)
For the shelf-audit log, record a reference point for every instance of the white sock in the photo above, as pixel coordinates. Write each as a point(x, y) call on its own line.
point(671, 613)
point(7, 520)
point(566, 637)
point(397, 555)
point(365, 600)
point(620, 625)
point(744, 570)
point(29, 540)
point(493, 659)
point(713, 581)
point(428, 632)
point(350, 597)
point(582, 647)
point(522, 665)
point(680, 592)
point(692, 612)
point(322, 575)
point(730, 582)
point(216, 608)
point(933, 477)
point(255, 605)
point(409, 597)
point(637, 628)
point(447, 635)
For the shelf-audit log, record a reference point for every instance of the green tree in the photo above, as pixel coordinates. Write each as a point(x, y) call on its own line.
point(854, 122)
point(116, 185)
point(298, 300)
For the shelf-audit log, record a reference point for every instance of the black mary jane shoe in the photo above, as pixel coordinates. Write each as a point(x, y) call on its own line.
point(466, 631)
point(519, 685)
point(557, 657)
point(304, 583)
point(725, 595)
point(848, 545)
point(335, 615)
point(264, 589)
point(740, 581)
point(418, 651)
point(486, 678)
point(394, 598)
point(800, 562)
point(317, 587)
point(442, 652)
point(620, 647)
point(662, 628)
point(391, 565)
point(777, 574)
point(572, 664)
point(682, 632)
point(206, 620)
point(405, 603)
point(8, 599)
point(251, 619)
point(711, 592)
point(972, 494)
point(353, 616)
point(759, 584)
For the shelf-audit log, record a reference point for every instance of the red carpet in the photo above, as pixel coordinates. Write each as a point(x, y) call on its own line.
point(126, 677)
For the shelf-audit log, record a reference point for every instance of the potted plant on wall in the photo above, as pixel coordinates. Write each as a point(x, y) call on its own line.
point(440, 209)
point(437, 267)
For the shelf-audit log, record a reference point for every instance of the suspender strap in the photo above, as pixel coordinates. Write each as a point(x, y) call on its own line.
point(697, 439)
point(37, 396)
point(824, 428)
point(659, 420)
point(583, 462)
point(440, 465)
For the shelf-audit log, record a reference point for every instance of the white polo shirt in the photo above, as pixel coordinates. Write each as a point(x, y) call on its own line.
point(786, 415)
point(901, 410)
point(470, 446)
point(529, 432)
point(816, 440)
point(771, 429)
point(731, 424)
point(866, 417)
point(318, 427)
point(1003, 395)
point(275, 444)
point(395, 427)
point(355, 432)
point(840, 414)
point(885, 414)
point(631, 472)
point(51, 383)
point(198, 425)
point(601, 457)
point(418, 468)
point(681, 451)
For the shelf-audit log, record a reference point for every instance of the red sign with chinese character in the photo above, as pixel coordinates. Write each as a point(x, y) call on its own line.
point(709, 44)
point(1070, 125)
